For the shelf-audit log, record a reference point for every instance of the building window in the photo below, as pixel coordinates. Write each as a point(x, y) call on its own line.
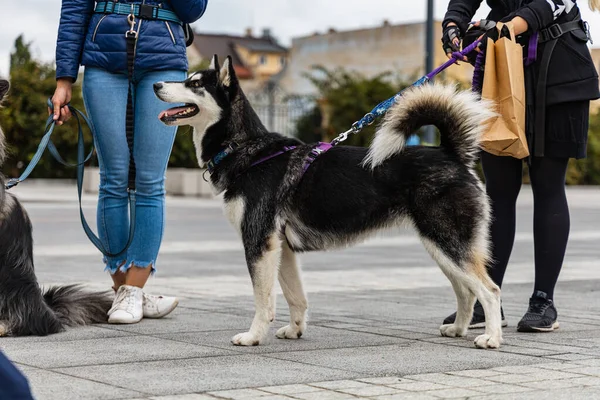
point(282, 61)
point(262, 60)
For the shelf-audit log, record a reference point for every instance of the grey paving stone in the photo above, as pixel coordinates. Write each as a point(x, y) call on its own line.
point(71, 334)
point(239, 394)
point(454, 393)
point(206, 374)
point(340, 384)
point(289, 389)
point(192, 396)
point(315, 337)
point(372, 390)
point(389, 380)
point(419, 386)
point(552, 384)
point(189, 322)
point(47, 385)
point(407, 396)
point(594, 371)
point(503, 388)
point(105, 351)
point(324, 395)
point(450, 380)
point(477, 373)
point(411, 358)
point(562, 394)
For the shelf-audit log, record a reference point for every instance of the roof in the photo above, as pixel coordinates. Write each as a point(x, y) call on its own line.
point(224, 45)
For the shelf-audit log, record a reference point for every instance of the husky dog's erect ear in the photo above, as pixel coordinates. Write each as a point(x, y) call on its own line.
point(214, 63)
point(4, 85)
point(227, 74)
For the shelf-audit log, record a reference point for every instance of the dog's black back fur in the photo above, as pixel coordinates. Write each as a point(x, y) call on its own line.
point(24, 308)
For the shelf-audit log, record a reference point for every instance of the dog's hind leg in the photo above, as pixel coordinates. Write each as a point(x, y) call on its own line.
point(291, 284)
point(263, 258)
point(469, 280)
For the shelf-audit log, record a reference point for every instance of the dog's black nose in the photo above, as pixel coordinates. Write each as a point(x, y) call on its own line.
point(158, 86)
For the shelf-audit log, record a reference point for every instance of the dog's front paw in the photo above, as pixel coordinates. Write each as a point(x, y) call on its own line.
point(487, 342)
point(3, 328)
point(451, 330)
point(245, 339)
point(290, 332)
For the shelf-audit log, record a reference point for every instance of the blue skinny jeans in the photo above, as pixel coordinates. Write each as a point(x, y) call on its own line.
point(105, 98)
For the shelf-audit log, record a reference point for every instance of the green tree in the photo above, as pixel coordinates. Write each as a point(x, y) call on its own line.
point(24, 115)
point(346, 96)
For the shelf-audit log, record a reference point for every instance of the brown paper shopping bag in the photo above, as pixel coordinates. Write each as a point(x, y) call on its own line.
point(504, 84)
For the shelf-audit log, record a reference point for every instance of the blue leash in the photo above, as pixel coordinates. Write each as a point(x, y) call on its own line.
point(385, 105)
point(46, 142)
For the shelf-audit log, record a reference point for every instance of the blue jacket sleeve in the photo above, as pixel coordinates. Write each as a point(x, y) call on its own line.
point(189, 11)
point(74, 19)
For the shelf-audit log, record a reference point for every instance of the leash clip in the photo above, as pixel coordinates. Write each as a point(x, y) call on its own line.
point(131, 19)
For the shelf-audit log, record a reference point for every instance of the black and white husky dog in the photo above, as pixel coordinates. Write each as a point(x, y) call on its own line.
point(347, 194)
point(24, 308)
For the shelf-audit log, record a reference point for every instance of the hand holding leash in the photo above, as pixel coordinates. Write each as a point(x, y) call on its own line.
point(60, 101)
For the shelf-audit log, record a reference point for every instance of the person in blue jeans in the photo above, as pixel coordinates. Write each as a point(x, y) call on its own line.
point(92, 34)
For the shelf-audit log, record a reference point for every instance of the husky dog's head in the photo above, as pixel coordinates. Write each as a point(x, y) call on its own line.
point(206, 96)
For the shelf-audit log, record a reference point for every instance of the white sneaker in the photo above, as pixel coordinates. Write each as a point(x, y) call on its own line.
point(127, 307)
point(158, 306)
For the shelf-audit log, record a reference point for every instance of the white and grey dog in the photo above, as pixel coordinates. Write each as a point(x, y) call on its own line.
point(24, 308)
point(281, 207)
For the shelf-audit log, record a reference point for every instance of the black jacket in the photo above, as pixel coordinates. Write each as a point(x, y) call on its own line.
point(572, 75)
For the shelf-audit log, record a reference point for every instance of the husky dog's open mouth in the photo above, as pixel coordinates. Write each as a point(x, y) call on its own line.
point(175, 113)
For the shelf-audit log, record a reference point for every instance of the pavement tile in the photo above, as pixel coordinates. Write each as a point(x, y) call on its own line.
point(416, 386)
point(476, 373)
point(59, 354)
point(592, 362)
point(552, 384)
point(340, 385)
point(559, 366)
point(454, 393)
point(315, 337)
point(407, 358)
point(192, 396)
point(369, 391)
point(523, 369)
point(160, 378)
point(594, 371)
point(289, 389)
point(48, 385)
point(571, 357)
point(586, 381)
point(387, 380)
point(450, 380)
point(239, 394)
point(324, 395)
point(407, 396)
point(503, 388)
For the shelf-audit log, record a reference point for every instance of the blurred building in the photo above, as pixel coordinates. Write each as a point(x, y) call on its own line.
point(255, 58)
point(399, 49)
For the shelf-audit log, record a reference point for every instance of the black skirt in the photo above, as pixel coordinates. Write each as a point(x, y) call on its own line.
point(567, 127)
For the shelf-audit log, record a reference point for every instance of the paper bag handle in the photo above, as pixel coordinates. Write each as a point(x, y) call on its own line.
point(511, 30)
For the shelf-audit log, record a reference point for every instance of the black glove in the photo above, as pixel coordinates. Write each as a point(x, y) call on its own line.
point(484, 29)
point(451, 38)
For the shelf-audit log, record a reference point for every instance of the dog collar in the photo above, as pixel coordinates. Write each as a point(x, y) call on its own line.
point(213, 162)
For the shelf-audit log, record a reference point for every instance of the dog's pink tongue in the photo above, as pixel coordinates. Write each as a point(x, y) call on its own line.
point(171, 111)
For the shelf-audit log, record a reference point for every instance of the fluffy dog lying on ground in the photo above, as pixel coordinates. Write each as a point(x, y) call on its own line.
point(282, 204)
point(24, 308)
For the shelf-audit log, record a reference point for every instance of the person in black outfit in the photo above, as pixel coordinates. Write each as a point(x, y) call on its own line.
point(559, 86)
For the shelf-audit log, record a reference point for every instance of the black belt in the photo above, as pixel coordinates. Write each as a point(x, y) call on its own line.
point(550, 36)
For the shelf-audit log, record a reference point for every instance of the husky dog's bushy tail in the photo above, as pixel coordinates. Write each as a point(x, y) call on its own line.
point(459, 115)
point(24, 308)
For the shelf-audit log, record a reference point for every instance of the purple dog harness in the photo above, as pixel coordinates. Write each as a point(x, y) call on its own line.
point(316, 151)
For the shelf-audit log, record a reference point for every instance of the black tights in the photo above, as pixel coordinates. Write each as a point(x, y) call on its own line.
point(551, 221)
